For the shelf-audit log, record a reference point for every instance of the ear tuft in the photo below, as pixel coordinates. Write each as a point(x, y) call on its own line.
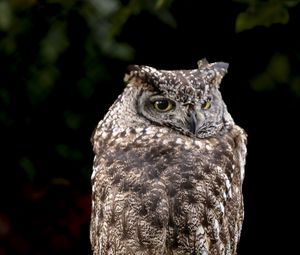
point(214, 72)
point(131, 71)
point(221, 67)
point(202, 63)
point(132, 68)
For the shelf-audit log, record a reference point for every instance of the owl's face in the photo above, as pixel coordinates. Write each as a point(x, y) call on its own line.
point(187, 101)
point(199, 119)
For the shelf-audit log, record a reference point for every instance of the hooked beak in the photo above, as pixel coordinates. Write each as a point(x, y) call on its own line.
point(194, 122)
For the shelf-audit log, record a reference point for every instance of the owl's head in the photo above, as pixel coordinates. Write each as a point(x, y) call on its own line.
point(188, 101)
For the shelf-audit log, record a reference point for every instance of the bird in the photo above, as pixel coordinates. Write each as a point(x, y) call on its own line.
point(168, 167)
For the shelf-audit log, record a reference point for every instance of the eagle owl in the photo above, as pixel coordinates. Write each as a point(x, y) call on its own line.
point(168, 167)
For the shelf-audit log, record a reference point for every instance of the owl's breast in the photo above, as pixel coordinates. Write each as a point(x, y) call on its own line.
point(176, 188)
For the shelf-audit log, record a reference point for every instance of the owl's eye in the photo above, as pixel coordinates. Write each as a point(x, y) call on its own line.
point(206, 105)
point(163, 105)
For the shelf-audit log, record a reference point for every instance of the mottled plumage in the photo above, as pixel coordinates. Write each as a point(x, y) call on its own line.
point(169, 166)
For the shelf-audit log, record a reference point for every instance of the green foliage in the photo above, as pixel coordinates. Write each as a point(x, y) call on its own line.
point(27, 165)
point(20, 21)
point(73, 120)
point(50, 49)
point(260, 13)
point(6, 16)
point(277, 72)
point(53, 52)
point(263, 13)
point(56, 56)
point(41, 42)
point(68, 152)
point(295, 85)
point(113, 15)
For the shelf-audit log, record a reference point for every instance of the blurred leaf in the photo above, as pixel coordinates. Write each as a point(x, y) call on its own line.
point(64, 3)
point(163, 4)
point(120, 17)
point(61, 182)
point(279, 68)
point(112, 16)
point(85, 87)
point(262, 82)
point(41, 83)
point(54, 43)
point(105, 20)
point(5, 15)
point(28, 167)
point(262, 14)
point(161, 10)
point(21, 4)
point(118, 50)
point(4, 96)
point(295, 85)
point(67, 152)
point(18, 26)
point(73, 120)
point(8, 44)
point(105, 7)
point(291, 3)
point(276, 72)
point(5, 119)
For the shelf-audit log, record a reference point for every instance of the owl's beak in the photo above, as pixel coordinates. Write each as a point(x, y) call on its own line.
point(193, 123)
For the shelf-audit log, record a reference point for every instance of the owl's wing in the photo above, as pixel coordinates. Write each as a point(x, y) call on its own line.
point(205, 195)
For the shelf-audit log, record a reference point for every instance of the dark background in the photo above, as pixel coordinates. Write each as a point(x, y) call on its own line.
point(61, 67)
